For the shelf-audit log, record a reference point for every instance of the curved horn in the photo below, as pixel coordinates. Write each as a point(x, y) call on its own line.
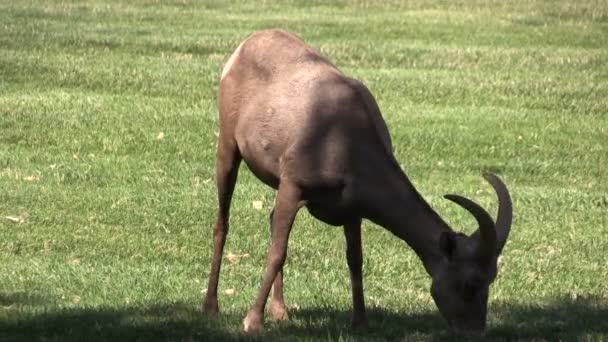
point(486, 224)
point(505, 210)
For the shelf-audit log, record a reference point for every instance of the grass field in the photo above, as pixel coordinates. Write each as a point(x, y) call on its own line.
point(107, 151)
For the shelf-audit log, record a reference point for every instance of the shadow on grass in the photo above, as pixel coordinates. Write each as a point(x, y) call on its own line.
point(561, 319)
point(21, 298)
point(175, 322)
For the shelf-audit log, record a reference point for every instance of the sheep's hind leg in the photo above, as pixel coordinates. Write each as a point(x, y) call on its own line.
point(227, 167)
point(278, 309)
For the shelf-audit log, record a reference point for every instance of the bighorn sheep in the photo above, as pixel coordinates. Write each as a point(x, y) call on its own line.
point(318, 137)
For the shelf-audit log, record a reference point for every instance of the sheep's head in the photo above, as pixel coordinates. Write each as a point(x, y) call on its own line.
point(461, 282)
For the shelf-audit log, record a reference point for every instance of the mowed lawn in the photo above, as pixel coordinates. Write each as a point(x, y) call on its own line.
point(108, 125)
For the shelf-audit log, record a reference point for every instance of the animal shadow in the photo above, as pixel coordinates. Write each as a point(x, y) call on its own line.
point(560, 319)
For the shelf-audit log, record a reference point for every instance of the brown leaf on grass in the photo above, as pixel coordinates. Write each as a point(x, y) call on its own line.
point(257, 205)
point(234, 258)
point(198, 182)
point(15, 219)
point(75, 261)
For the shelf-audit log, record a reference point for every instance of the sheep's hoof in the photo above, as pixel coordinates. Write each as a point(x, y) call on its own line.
point(278, 311)
point(253, 323)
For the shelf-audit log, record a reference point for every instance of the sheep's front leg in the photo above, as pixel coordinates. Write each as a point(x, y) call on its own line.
point(288, 203)
point(354, 257)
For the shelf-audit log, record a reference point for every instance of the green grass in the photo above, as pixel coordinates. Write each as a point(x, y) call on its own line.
point(112, 239)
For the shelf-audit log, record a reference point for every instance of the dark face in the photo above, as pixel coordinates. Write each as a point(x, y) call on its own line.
point(467, 266)
point(461, 284)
